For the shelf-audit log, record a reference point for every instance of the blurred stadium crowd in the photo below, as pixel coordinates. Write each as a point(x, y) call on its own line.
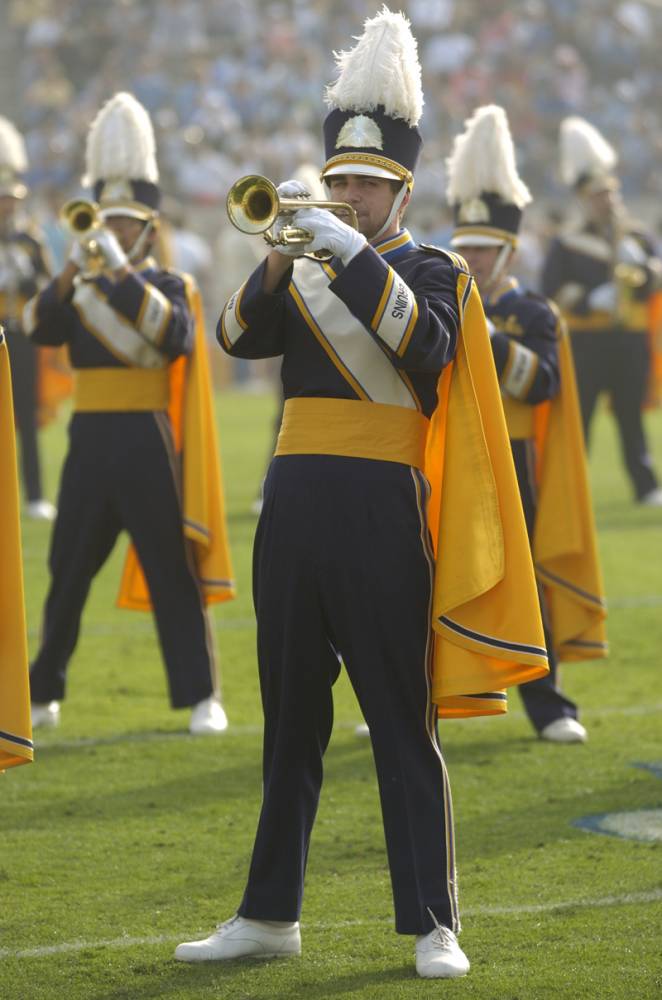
point(236, 86)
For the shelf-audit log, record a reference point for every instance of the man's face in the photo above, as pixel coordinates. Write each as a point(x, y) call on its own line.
point(7, 210)
point(602, 206)
point(126, 229)
point(480, 261)
point(370, 197)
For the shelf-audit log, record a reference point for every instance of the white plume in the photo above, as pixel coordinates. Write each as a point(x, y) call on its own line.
point(483, 160)
point(383, 68)
point(12, 147)
point(584, 150)
point(120, 143)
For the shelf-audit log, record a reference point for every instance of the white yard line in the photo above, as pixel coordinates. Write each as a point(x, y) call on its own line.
point(256, 730)
point(628, 899)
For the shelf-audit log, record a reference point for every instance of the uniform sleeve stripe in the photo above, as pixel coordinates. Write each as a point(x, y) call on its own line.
point(232, 322)
point(379, 312)
point(408, 332)
point(397, 315)
point(520, 371)
point(154, 315)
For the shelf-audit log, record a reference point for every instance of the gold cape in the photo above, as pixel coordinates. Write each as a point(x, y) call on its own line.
point(488, 632)
point(15, 722)
point(203, 516)
point(564, 541)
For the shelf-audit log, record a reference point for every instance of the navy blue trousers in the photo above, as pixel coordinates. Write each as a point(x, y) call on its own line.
point(121, 473)
point(342, 569)
point(618, 362)
point(543, 699)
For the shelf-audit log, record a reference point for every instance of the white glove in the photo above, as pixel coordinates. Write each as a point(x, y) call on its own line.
point(603, 297)
point(78, 255)
point(630, 251)
point(330, 233)
point(292, 189)
point(110, 247)
point(289, 189)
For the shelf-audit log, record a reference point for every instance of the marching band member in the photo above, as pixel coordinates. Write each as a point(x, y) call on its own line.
point(602, 272)
point(23, 270)
point(535, 372)
point(385, 356)
point(142, 454)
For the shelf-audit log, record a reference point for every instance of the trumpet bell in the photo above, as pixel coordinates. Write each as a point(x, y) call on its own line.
point(79, 215)
point(252, 204)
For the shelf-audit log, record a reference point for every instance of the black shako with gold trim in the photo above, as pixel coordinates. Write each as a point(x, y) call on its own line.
point(371, 138)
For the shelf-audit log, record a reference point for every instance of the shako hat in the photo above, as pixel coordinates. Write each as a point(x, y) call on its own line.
point(120, 160)
point(13, 160)
point(484, 189)
point(587, 159)
point(376, 103)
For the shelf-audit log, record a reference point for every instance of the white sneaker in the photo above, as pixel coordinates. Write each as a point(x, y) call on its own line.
point(45, 715)
point(362, 730)
point(208, 716)
point(564, 730)
point(652, 499)
point(243, 938)
point(438, 955)
point(40, 510)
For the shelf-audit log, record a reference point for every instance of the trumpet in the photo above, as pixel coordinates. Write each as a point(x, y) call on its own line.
point(82, 219)
point(253, 205)
point(80, 216)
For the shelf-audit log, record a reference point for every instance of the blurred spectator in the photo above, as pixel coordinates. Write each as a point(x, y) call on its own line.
point(235, 87)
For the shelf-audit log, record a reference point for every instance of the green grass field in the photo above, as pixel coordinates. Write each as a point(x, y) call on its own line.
point(128, 835)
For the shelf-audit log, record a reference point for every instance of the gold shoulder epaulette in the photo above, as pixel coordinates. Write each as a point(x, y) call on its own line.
point(455, 259)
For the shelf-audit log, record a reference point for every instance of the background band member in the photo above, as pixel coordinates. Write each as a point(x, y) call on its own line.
point(134, 333)
point(343, 559)
point(602, 272)
point(23, 270)
point(487, 197)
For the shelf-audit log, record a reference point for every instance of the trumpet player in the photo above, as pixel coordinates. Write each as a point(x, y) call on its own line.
point(534, 365)
point(602, 271)
point(128, 323)
point(343, 558)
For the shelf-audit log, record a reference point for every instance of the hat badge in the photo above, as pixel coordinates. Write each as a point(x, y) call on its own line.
point(473, 211)
point(117, 190)
point(360, 132)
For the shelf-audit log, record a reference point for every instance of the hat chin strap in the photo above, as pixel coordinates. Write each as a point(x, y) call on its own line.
point(137, 251)
point(499, 265)
point(395, 208)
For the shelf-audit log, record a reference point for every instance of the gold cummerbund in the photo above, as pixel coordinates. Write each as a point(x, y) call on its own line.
point(519, 418)
point(353, 428)
point(121, 389)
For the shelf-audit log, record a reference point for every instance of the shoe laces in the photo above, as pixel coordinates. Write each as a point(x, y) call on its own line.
point(227, 923)
point(442, 936)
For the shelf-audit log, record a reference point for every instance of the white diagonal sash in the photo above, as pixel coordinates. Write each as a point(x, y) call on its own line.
point(114, 331)
point(347, 337)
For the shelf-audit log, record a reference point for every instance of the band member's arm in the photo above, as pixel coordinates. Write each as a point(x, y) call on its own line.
point(416, 322)
point(528, 366)
point(559, 281)
point(158, 309)
point(48, 316)
point(251, 322)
